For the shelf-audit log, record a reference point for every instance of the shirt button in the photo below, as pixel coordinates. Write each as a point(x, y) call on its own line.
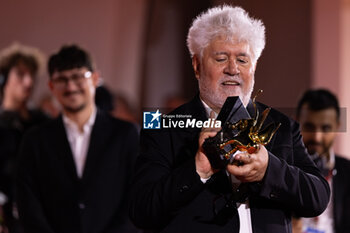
point(184, 188)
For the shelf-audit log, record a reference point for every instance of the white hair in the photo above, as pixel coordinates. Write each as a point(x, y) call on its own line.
point(232, 22)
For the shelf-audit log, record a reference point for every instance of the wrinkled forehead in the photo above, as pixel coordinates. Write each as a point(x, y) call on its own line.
point(230, 44)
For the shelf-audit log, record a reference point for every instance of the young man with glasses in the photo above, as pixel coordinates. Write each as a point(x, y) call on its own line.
point(74, 171)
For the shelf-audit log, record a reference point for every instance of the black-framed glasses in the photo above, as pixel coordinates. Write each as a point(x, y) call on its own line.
point(78, 79)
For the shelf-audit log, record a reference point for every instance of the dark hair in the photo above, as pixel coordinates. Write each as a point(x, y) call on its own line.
point(13, 60)
point(317, 100)
point(69, 57)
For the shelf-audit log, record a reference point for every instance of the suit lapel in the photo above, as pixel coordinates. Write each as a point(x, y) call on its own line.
point(99, 135)
point(337, 194)
point(196, 109)
point(98, 139)
point(63, 148)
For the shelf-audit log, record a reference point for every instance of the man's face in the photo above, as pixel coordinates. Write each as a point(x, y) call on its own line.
point(318, 129)
point(226, 69)
point(74, 89)
point(19, 83)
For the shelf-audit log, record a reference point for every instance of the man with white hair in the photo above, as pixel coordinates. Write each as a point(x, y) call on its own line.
point(175, 187)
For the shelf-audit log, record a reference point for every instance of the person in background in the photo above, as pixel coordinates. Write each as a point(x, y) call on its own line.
point(104, 98)
point(173, 101)
point(49, 105)
point(123, 109)
point(116, 104)
point(175, 188)
point(74, 171)
point(19, 66)
point(318, 113)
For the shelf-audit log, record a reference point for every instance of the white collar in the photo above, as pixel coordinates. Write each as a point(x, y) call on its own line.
point(208, 109)
point(71, 125)
point(330, 163)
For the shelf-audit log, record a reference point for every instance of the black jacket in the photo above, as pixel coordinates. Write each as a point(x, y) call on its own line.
point(341, 195)
point(51, 197)
point(168, 195)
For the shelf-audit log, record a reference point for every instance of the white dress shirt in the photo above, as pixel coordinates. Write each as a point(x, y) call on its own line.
point(242, 208)
point(79, 141)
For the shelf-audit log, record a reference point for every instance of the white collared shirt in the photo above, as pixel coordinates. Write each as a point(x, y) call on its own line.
point(243, 209)
point(79, 141)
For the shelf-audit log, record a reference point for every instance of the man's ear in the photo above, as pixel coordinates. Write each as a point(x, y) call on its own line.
point(95, 78)
point(50, 85)
point(196, 66)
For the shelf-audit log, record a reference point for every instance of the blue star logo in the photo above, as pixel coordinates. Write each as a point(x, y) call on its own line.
point(151, 120)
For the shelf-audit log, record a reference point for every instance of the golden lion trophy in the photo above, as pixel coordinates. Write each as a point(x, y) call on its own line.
point(239, 132)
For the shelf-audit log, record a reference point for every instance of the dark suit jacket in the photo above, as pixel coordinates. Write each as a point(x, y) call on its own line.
point(168, 195)
point(12, 128)
point(51, 197)
point(341, 195)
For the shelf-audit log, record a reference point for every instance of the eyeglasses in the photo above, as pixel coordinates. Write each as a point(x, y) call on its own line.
point(77, 78)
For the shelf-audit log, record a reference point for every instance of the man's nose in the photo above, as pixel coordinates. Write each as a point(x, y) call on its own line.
point(231, 68)
point(71, 85)
point(27, 80)
point(317, 136)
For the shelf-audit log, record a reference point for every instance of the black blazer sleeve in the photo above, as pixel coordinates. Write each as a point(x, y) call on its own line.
point(166, 183)
point(30, 209)
point(292, 178)
point(160, 187)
